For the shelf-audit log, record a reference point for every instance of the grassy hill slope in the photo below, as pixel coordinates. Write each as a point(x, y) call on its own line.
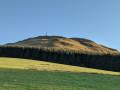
point(23, 74)
point(16, 63)
point(59, 42)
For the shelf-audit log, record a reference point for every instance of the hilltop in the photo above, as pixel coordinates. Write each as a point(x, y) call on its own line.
point(65, 43)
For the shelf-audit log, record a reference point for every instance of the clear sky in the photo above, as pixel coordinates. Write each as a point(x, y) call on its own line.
point(97, 20)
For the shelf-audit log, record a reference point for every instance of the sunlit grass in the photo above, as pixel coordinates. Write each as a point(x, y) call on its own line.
point(21, 79)
point(17, 63)
point(26, 74)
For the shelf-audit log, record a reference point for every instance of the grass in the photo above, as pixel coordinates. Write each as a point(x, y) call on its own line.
point(24, 74)
point(59, 42)
point(16, 63)
point(16, 79)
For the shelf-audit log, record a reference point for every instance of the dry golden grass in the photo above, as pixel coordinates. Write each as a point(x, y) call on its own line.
point(17, 63)
point(58, 42)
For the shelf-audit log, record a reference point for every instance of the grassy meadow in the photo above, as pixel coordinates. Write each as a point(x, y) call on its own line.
point(23, 74)
point(17, 63)
point(16, 79)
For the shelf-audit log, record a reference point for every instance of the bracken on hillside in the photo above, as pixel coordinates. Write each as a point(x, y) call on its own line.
point(60, 42)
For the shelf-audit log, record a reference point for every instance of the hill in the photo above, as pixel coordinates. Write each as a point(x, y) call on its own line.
point(60, 42)
point(26, 74)
point(17, 63)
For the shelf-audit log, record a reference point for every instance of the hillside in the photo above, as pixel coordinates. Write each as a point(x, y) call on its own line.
point(26, 74)
point(59, 42)
point(17, 63)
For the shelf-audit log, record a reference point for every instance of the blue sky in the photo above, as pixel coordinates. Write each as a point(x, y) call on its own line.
point(97, 20)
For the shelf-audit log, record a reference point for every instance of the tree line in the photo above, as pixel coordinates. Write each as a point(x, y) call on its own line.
point(85, 59)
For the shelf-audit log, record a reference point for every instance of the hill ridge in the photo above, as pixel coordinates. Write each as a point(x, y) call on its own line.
point(60, 42)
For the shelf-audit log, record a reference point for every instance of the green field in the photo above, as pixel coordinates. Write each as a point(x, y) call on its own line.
point(13, 79)
point(16, 63)
point(23, 74)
